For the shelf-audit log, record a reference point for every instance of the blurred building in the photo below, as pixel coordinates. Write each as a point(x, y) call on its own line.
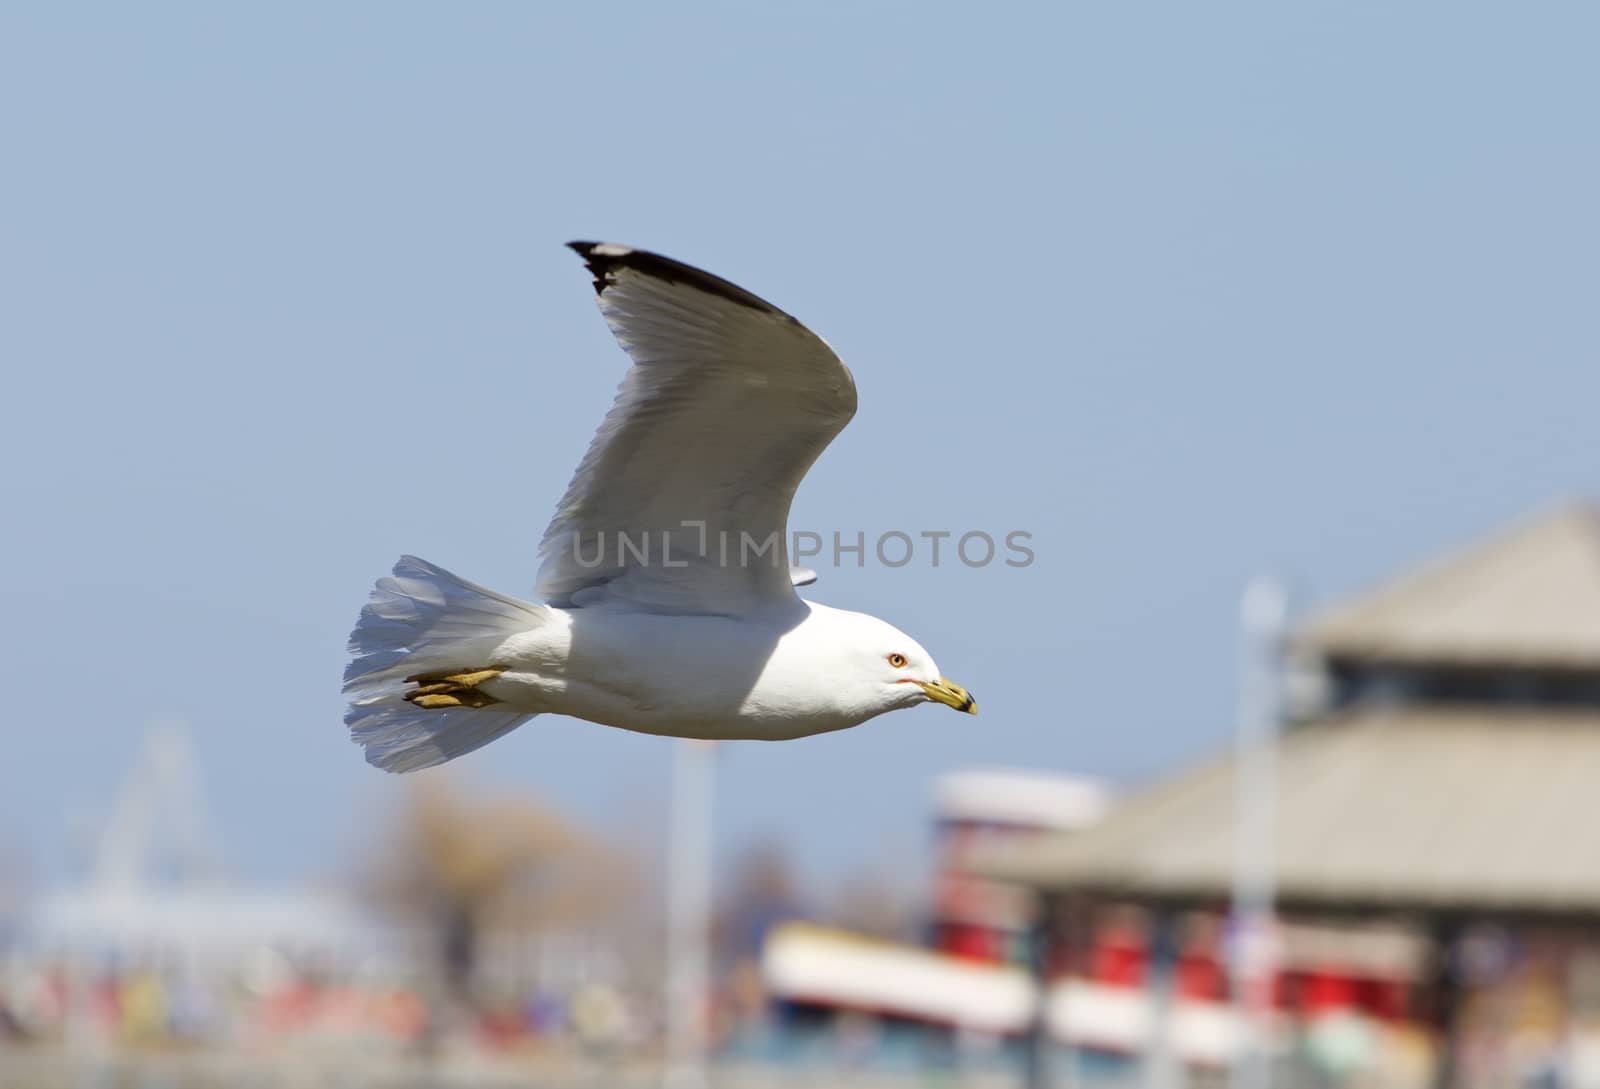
point(157, 944)
point(1432, 856)
point(965, 997)
point(974, 916)
point(156, 890)
point(485, 919)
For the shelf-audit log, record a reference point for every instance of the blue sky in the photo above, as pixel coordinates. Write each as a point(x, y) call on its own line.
point(1187, 292)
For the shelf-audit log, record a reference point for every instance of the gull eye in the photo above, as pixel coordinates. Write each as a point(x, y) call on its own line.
point(897, 660)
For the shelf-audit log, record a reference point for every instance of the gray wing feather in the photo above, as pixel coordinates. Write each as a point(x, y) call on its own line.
point(682, 502)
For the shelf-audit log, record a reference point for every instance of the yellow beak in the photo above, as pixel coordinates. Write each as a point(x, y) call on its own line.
point(951, 694)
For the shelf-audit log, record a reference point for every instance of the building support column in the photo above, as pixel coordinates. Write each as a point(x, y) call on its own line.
point(1162, 1069)
point(1445, 998)
point(1041, 951)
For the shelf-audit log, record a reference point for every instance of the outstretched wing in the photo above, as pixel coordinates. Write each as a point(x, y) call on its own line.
point(682, 502)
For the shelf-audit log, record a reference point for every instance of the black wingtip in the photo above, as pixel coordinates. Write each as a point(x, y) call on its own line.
point(598, 266)
point(605, 259)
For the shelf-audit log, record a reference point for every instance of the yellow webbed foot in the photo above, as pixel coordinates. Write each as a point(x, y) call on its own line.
point(439, 690)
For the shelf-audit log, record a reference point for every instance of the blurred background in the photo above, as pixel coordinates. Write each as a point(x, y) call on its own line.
point(1273, 327)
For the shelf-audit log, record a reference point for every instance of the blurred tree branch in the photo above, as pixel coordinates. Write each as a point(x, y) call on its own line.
point(458, 866)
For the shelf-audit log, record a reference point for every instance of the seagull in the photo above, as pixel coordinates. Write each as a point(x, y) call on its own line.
point(668, 603)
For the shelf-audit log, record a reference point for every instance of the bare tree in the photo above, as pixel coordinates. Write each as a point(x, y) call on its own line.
point(762, 890)
point(461, 866)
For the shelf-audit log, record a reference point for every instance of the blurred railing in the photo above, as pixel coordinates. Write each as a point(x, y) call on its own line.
point(30, 1068)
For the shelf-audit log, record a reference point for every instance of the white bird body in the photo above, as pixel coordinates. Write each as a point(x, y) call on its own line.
point(763, 677)
point(728, 403)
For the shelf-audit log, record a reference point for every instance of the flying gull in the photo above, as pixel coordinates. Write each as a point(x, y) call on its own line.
point(668, 602)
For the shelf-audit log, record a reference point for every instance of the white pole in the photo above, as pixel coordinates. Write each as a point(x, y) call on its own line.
point(689, 914)
point(1263, 616)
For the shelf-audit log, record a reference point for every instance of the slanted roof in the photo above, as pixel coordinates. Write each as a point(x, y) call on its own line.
point(1487, 810)
point(1529, 597)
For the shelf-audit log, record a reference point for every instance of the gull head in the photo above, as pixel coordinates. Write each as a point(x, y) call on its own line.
point(876, 667)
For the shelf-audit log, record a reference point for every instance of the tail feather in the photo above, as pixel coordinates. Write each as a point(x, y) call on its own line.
point(422, 619)
point(399, 737)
